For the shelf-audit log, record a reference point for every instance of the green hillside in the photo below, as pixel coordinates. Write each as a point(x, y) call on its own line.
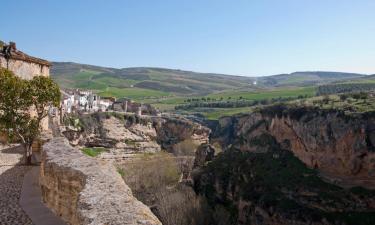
point(143, 82)
point(307, 78)
point(146, 82)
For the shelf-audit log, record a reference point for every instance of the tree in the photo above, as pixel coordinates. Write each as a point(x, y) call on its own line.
point(343, 97)
point(23, 106)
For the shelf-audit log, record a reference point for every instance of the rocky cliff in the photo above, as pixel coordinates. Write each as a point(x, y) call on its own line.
point(179, 135)
point(283, 165)
point(84, 191)
point(125, 134)
point(341, 147)
point(114, 131)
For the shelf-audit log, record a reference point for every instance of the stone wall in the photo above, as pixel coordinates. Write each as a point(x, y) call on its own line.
point(82, 190)
point(23, 69)
point(26, 70)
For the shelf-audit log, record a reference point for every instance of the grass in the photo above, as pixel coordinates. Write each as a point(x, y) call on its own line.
point(115, 82)
point(284, 92)
point(133, 93)
point(219, 112)
point(121, 171)
point(93, 152)
point(169, 103)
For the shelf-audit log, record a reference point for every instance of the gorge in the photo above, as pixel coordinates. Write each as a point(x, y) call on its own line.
point(278, 165)
point(292, 165)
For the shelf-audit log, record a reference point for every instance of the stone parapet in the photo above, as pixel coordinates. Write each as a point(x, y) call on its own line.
point(82, 190)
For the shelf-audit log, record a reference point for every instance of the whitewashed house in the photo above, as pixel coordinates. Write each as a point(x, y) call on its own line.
point(84, 101)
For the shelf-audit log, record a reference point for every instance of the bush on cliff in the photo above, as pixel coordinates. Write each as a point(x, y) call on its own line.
point(154, 180)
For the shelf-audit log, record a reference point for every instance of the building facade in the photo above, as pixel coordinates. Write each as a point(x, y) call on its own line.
point(21, 64)
point(24, 66)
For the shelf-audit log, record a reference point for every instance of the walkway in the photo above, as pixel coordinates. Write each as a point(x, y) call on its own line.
point(11, 179)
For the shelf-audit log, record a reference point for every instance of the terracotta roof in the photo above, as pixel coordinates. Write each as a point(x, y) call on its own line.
point(11, 52)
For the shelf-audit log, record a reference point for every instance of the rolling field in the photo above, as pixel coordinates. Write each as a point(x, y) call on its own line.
point(217, 113)
point(133, 93)
point(266, 94)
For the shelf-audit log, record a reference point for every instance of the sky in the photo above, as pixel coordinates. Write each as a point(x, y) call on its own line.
point(239, 37)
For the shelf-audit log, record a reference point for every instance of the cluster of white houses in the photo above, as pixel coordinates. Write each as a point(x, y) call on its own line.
point(84, 101)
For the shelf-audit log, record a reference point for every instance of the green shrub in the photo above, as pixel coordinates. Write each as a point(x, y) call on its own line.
point(93, 152)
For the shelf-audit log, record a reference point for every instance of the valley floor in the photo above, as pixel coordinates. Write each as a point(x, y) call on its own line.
point(11, 179)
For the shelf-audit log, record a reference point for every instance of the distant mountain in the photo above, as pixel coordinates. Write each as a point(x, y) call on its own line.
point(307, 78)
point(148, 81)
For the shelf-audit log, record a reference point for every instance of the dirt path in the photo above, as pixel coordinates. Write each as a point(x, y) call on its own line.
point(11, 179)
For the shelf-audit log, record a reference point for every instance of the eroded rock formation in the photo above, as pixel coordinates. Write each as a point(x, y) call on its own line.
point(84, 191)
point(126, 134)
point(291, 165)
point(173, 133)
point(341, 146)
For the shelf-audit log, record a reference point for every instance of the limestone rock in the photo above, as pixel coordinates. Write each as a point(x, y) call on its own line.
point(85, 191)
point(339, 146)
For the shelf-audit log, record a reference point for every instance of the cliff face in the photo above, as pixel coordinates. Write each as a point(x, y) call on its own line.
point(285, 165)
point(126, 134)
point(123, 135)
point(178, 135)
point(341, 147)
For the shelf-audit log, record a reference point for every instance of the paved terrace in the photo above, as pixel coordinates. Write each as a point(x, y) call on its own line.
point(11, 179)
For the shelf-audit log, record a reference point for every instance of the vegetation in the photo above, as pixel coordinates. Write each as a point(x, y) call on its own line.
point(344, 88)
point(357, 102)
point(308, 78)
point(93, 152)
point(154, 179)
point(177, 82)
point(23, 106)
point(215, 114)
point(276, 180)
point(234, 104)
point(152, 81)
point(133, 93)
point(265, 94)
point(215, 107)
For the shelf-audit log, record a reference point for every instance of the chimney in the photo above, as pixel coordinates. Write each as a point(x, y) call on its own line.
point(13, 46)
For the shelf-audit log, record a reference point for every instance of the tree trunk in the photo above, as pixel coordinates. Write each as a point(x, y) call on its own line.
point(28, 154)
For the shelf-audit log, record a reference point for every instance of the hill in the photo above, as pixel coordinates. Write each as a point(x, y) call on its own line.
point(308, 78)
point(158, 81)
point(141, 82)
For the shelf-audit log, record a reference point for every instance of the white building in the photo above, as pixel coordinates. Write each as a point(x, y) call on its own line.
point(84, 101)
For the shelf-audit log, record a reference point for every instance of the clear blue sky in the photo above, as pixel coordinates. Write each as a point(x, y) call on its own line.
point(245, 37)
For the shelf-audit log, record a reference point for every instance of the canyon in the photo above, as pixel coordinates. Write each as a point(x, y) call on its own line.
point(277, 165)
point(292, 165)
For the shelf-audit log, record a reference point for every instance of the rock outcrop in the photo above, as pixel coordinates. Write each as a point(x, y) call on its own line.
point(179, 135)
point(116, 132)
point(204, 153)
point(290, 165)
point(127, 134)
point(84, 191)
point(341, 147)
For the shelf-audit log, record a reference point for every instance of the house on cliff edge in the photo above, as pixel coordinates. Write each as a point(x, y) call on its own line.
point(23, 65)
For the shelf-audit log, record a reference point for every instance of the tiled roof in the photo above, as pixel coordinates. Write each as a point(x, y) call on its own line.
point(10, 51)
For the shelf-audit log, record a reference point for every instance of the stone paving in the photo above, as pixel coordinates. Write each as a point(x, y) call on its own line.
point(11, 179)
